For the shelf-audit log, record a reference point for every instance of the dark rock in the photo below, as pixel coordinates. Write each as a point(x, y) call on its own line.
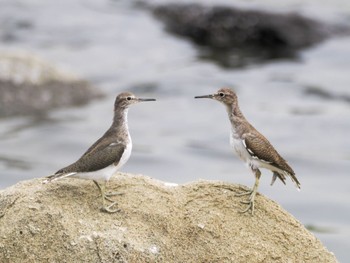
point(253, 33)
point(33, 99)
point(327, 95)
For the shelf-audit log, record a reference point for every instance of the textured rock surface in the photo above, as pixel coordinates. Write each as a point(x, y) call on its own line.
point(196, 222)
point(29, 85)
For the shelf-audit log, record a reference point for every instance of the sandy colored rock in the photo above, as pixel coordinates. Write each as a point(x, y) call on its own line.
point(158, 222)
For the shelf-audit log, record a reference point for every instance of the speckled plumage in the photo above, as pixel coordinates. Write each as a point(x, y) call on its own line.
point(250, 145)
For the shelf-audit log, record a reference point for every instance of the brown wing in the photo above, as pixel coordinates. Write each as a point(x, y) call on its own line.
point(258, 146)
point(97, 157)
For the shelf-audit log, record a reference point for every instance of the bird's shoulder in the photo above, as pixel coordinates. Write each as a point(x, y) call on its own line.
point(107, 141)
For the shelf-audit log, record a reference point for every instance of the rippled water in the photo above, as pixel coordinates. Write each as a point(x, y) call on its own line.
point(302, 106)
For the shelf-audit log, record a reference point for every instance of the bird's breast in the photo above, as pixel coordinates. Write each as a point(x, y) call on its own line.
point(126, 154)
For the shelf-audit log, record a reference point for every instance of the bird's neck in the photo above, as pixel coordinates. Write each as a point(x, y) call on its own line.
point(120, 122)
point(238, 121)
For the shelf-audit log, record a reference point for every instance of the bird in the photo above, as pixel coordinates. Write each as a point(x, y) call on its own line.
point(251, 147)
point(107, 155)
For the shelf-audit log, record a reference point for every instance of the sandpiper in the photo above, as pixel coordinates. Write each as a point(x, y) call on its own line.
point(251, 146)
point(107, 154)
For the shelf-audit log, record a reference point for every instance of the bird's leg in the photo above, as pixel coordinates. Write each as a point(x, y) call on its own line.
point(107, 195)
point(106, 208)
point(251, 199)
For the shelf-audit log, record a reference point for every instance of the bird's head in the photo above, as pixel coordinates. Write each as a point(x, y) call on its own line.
point(125, 99)
point(224, 95)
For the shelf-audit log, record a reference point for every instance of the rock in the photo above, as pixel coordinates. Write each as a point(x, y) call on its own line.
point(247, 33)
point(158, 222)
point(29, 85)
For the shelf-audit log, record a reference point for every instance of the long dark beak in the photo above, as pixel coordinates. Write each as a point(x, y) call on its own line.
point(205, 97)
point(140, 99)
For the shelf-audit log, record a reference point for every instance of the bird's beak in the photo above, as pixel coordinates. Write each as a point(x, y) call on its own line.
point(140, 99)
point(205, 97)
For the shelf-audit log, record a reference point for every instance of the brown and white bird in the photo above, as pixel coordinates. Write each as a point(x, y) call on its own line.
point(251, 146)
point(108, 154)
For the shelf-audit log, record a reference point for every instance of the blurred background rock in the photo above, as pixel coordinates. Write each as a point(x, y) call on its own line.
point(31, 86)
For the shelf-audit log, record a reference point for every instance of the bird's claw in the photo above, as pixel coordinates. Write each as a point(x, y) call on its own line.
point(249, 202)
point(250, 206)
point(108, 209)
point(113, 193)
point(108, 195)
point(246, 192)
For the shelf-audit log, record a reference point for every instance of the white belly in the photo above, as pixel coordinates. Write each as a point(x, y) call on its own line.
point(125, 156)
point(103, 174)
point(239, 148)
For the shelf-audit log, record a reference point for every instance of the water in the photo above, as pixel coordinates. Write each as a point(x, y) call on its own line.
point(302, 106)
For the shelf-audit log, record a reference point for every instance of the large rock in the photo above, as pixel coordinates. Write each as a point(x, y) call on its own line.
point(30, 85)
point(230, 32)
point(158, 222)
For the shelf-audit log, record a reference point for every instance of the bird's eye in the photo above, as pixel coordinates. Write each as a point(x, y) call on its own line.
point(221, 94)
point(128, 98)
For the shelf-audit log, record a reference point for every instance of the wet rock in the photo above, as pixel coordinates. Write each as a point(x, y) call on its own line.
point(29, 85)
point(232, 33)
point(158, 222)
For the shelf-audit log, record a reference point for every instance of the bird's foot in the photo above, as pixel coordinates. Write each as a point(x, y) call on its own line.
point(108, 195)
point(249, 202)
point(108, 209)
point(250, 206)
point(245, 192)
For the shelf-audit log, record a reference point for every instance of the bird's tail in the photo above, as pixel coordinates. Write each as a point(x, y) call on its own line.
point(57, 176)
point(295, 180)
point(283, 176)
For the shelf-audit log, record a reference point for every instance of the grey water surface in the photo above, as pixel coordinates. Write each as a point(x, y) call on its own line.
point(302, 105)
